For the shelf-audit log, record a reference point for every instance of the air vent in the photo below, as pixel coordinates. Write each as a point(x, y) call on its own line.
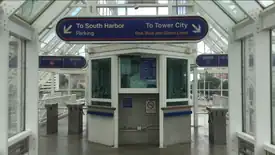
point(142, 1)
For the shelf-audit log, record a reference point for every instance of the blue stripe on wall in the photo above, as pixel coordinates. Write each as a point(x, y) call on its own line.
point(100, 113)
point(177, 113)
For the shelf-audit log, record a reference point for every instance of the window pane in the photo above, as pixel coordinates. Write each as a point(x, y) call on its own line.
point(162, 10)
point(101, 78)
point(266, 3)
point(63, 81)
point(177, 78)
point(32, 8)
point(248, 74)
point(232, 9)
point(142, 11)
point(16, 86)
point(138, 72)
point(177, 103)
point(77, 81)
point(180, 10)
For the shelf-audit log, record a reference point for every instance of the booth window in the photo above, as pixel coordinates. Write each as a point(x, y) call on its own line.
point(17, 82)
point(177, 78)
point(137, 72)
point(101, 78)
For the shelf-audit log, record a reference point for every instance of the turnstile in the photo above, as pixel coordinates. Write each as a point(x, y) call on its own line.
point(52, 118)
point(217, 125)
point(75, 118)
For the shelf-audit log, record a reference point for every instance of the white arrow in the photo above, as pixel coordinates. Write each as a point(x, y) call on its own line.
point(67, 29)
point(196, 29)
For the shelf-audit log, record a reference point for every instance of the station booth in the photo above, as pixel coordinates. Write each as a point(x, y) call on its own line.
point(139, 96)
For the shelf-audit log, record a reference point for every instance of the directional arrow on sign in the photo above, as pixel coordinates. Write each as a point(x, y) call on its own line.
point(197, 29)
point(67, 29)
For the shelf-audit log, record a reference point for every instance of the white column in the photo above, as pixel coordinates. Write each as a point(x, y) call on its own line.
point(263, 90)
point(162, 96)
point(52, 83)
point(114, 96)
point(4, 82)
point(69, 84)
point(204, 84)
point(221, 79)
point(195, 96)
point(235, 95)
point(32, 77)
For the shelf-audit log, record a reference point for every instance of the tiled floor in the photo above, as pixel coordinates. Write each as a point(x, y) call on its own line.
point(61, 144)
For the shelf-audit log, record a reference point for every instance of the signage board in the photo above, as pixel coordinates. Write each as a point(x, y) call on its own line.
point(125, 29)
point(67, 62)
point(150, 106)
point(212, 60)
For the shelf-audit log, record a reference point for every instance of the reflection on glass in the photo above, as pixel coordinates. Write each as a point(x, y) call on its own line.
point(137, 72)
point(77, 81)
point(232, 9)
point(177, 78)
point(32, 8)
point(248, 88)
point(63, 81)
point(180, 10)
point(16, 113)
point(101, 78)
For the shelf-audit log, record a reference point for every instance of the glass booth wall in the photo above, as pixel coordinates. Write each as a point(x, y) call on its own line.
point(177, 81)
point(137, 72)
point(101, 80)
point(248, 87)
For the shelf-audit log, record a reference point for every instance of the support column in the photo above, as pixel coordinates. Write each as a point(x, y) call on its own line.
point(114, 96)
point(263, 90)
point(221, 79)
point(162, 97)
point(69, 84)
point(52, 83)
point(195, 96)
point(4, 82)
point(235, 95)
point(32, 76)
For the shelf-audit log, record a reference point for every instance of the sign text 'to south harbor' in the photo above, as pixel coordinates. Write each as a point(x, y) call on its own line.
point(106, 29)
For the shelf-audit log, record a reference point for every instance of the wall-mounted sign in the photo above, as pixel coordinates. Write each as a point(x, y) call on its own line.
point(151, 107)
point(106, 29)
point(127, 102)
point(62, 62)
point(212, 60)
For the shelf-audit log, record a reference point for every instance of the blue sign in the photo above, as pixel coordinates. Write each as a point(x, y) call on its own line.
point(127, 102)
point(62, 62)
point(148, 69)
point(212, 60)
point(106, 29)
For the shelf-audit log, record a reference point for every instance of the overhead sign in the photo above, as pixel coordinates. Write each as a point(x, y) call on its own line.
point(212, 60)
point(62, 62)
point(151, 106)
point(106, 29)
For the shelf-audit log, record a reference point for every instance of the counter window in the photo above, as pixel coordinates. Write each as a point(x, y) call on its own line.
point(137, 72)
point(101, 78)
point(177, 78)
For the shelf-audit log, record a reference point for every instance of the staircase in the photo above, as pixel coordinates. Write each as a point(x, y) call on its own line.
point(45, 81)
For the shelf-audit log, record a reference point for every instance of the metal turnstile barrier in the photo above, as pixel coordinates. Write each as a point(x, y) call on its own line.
point(217, 125)
point(52, 118)
point(75, 118)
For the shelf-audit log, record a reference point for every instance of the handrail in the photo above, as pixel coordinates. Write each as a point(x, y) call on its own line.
point(19, 137)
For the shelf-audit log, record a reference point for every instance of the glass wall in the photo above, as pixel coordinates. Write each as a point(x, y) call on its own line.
point(16, 86)
point(137, 72)
point(101, 78)
point(177, 80)
point(248, 88)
